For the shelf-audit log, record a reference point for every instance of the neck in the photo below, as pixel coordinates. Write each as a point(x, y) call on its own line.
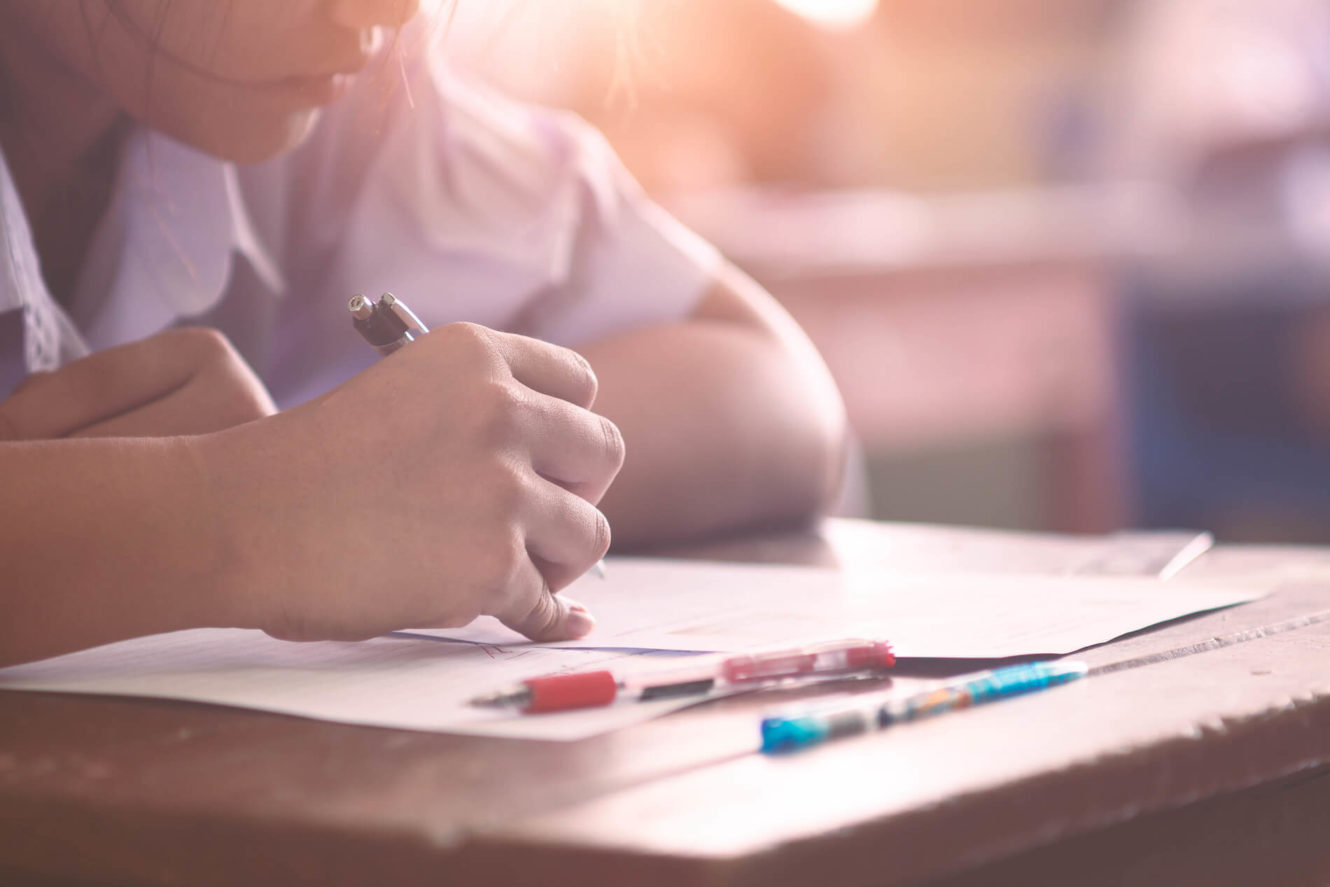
point(60, 140)
point(54, 126)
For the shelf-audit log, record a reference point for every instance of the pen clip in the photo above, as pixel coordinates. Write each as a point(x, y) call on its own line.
point(401, 315)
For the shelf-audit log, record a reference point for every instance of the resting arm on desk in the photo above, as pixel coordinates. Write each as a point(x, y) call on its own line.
point(730, 417)
point(183, 503)
point(340, 519)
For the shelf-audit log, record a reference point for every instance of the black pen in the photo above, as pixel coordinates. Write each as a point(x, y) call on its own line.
point(388, 325)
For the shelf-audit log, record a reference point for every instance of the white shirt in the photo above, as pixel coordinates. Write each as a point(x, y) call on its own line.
point(465, 204)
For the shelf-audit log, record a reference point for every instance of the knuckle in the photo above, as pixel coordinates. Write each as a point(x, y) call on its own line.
point(506, 491)
point(258, 405)
point(589, 382)
point(464, 329)
point(235, 394)
point(543, 616)
point(251, 398)
point(207, 343)
point(244, 406)
point(600, 534)
point(497, 565)
point(465, 335)
point(615, 450)
point(501, 411)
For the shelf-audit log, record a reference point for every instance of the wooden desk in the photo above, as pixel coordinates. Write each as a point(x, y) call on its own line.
point(997, 309)
point(1208, 769)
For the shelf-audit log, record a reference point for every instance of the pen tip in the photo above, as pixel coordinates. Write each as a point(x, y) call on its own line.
point(360, 307)
point(513, 697)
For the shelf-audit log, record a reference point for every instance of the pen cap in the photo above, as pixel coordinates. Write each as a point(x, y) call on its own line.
point(792, 734)
point(569, 691)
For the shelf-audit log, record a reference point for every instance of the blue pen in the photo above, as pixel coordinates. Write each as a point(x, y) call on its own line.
point(790, 732)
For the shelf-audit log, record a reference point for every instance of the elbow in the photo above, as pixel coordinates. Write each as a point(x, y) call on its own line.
point(815, 473)
point(830, 453)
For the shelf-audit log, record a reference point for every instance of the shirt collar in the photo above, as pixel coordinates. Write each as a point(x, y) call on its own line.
point(49, 337)
point(19, 271)
point(165, 248)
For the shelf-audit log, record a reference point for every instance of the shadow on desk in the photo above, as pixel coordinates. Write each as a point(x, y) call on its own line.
point(1278, 834)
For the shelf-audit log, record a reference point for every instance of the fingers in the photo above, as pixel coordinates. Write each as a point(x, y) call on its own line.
point(111, 383)
point(566, 535)
point(547, 411)
point(540, 615)
point(211, 400)
point(549, 369)
point(577, 449)
point(95, 388)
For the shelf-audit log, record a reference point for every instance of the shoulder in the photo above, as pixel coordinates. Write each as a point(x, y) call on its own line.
point(417, 147)
point(415, 138)
point(411, 111)
point(420, 175)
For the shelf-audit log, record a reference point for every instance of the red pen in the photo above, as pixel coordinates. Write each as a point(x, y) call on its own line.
point(595, 688)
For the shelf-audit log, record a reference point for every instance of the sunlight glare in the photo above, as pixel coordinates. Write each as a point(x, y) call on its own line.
point(833, 13)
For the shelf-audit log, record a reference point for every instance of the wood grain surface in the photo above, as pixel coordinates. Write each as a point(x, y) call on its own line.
point(1184, 769)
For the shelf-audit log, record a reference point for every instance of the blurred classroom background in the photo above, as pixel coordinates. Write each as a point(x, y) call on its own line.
point(1066, 258)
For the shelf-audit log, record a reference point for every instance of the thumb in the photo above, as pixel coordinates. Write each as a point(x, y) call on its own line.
point(552, 618)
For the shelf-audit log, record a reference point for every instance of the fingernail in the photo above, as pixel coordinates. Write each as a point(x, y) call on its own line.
point(579, 621)
point(575, 606)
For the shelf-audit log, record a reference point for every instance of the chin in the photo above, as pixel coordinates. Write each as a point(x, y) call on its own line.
point(253, 139)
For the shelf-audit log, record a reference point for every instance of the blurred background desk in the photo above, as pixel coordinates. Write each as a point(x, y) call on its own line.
point(1213, 769)
point(1015, 349)
point(973, 338)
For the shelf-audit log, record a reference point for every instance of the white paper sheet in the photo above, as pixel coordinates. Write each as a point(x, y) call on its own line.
point(688, 605)
point(425, 683)
point(931, 548)
point(420, 684)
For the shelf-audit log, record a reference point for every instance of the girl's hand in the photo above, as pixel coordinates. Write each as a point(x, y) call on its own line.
point(455, 478)
point(185, 381)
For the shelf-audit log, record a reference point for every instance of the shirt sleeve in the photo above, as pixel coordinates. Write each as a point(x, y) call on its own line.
point(474, 207)
point(629, 262)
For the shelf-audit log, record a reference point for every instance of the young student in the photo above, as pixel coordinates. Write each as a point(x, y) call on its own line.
point(187, 181)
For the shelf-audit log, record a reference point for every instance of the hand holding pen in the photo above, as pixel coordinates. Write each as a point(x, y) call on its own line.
point(463, 431)
point(389, 325)
point(417, 494)
point(414, 494)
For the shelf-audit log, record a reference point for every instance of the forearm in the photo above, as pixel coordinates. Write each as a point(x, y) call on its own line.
point(409, 496)
point(729, 424)
point(103, 540)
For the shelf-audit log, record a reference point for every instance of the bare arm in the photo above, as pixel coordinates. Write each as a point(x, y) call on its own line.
point(103, 540)
point(730, 418)
point(430, 489)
